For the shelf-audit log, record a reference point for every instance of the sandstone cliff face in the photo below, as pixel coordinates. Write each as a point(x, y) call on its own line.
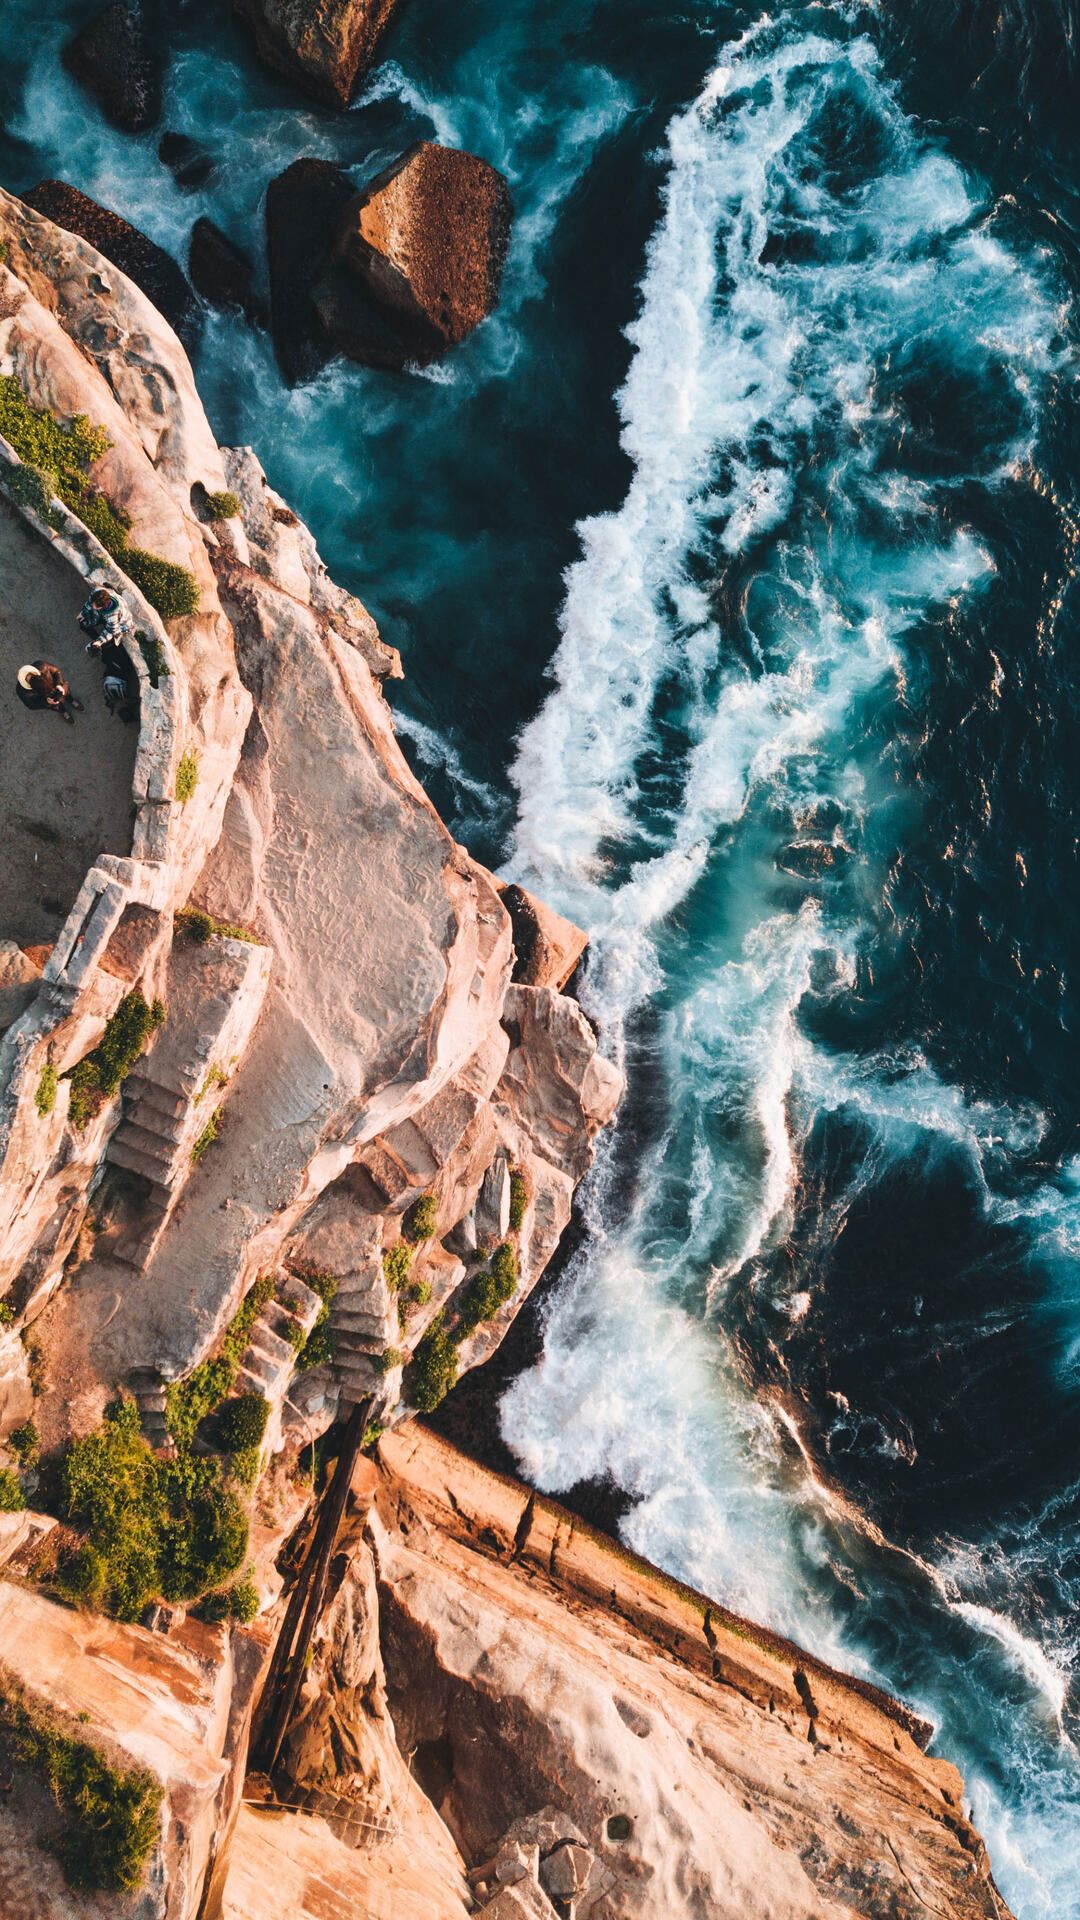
point(597, 1741)
point(372, 1045)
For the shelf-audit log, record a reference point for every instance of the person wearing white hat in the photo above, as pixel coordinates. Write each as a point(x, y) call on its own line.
point(40, 685)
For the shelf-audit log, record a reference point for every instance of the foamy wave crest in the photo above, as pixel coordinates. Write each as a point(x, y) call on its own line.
point(735, 643)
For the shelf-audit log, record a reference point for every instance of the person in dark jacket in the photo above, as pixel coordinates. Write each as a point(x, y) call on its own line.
point(40, 685)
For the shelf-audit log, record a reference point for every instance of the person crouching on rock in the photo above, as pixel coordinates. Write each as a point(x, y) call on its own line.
point(42, 685)
point(104, 619)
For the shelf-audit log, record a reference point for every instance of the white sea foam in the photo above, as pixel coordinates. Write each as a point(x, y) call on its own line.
point(740, 395)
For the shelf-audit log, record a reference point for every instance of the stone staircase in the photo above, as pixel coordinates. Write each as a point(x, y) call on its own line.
point(265, 1367)
point(214, 996)
point(347, 1820)
point(364, 1322)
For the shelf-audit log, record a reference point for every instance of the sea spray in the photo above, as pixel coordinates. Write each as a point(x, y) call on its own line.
point(733, 673)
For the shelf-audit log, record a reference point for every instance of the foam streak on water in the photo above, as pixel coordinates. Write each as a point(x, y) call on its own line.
point(736, 643)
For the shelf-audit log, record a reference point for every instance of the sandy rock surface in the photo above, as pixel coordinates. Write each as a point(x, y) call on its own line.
point(325, 45)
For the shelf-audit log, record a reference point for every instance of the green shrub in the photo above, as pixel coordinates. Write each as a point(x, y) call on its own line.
point(244, 1465)
point(27, 486)
point(188, 1402)
point(215, 1077)
point(113, 1814)
point(490, 1290)
point(168, 1528)
point(172, 591)
point(11, 1493)
point(387, 1360)
point(519, 1200)
point(419, 1222)
point(318, 1348)
point(7, 1313)
point(207, 1137)
point(198, 926)
point(222, 506)
point(419, 1292)
point(45, 1097)
point(373, 1433)
point(111, 525)
point(243, 1601)
point(5, 254)
point(434, 1367)
point(154, 655)
point(187, 776)
point(242, 1422)
point(238, 1336)
point(98, 1075)
point(396, 1262)
point(25, 1443)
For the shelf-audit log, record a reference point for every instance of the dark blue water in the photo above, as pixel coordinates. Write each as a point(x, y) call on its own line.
point(732, 567)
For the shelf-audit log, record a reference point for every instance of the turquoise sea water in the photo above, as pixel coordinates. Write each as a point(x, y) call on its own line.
point(732, 567)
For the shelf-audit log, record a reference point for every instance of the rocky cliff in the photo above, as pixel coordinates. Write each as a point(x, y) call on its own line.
point(293, 1105)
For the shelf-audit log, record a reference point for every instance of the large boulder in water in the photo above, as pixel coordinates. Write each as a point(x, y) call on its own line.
point(326, 45)
point(151, 269)
point(303, 207)
point(222, 273)
point(113, 58)
point(423, 246)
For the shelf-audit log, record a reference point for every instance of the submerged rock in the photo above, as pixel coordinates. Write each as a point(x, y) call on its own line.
point(221, 272)
point(151, 269)
point(190, 165)
point(303, 207)
point(425, 242)
point(112, 57)
point(326, 45)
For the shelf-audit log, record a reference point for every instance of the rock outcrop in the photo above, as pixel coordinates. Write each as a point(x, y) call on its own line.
point(140, 259)
point(113, 58)
point(595, 1740)
point(423, 245)
point(303, 207)
point(327, 46)
point(222, 273)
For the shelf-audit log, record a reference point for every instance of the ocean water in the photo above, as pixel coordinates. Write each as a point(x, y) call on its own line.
point(733, 567)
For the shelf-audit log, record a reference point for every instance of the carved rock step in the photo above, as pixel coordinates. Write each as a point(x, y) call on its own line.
point(135, 1161)
point(140, 1140)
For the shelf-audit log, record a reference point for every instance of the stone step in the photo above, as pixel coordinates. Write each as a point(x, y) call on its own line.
point(143, 1141)
point(267, 1373)
point(302, 1301)
point(356, 1381)
point(372, 1324)
point(165, 1126)
point(248, 1381)
point(278, 1320)
point(270, 1344)
point(141, 1090)
point(120, 1155)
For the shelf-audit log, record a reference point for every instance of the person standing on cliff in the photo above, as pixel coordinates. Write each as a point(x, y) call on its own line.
point(41, 685)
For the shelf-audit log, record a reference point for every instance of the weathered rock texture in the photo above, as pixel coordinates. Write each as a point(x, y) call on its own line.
point(325, 45)
point(113, 59)
point(596, 1739)
point(364, 1046)
point(140, 259)
point(426, 241)
point(178, 1706)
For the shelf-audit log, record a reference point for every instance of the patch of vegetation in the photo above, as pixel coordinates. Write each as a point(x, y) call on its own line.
point(11, 1493)
point(154, 655)
point(489, 1290)
point(187, 776)
point(7, 1313)
point(65, 455)
point(318, 1348)
point(396, 1262)
point(419, 1292)
point(238, 1336)
point(434, 1367)
point(420, 1219)
point(113, 1813)
point(240, 1603)
point(97, 1077)
point(25, 1443)
point(373, 1433)
point(244, 1466)
point(27, 486)
point(242, 1422)
point(5, 254)
point(198, 926)
point(168, 1528)
point(189, 1401)
point(215, 1077)
point(387, 1360)
point(222, 506)
point(45, 1097)
point(209, 1134)
point(519, 1200)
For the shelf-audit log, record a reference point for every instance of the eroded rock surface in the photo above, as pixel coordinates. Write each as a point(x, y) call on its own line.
point(425, 242)
point(113, 58)
point(140, 259)
point(325, 45)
